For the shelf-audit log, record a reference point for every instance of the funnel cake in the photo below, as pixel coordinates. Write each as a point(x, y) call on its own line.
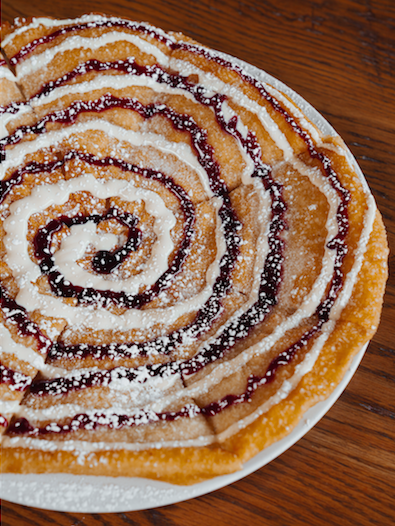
point(187, 263)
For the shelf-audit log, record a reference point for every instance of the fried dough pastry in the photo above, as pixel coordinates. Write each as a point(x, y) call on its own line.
point(187, 263)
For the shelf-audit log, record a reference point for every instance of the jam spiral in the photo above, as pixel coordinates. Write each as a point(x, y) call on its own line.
point(177, 239)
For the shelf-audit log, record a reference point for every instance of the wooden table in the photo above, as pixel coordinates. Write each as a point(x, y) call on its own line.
point(340, 56)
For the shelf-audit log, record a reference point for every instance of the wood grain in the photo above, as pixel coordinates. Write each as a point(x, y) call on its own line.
point(340, 56)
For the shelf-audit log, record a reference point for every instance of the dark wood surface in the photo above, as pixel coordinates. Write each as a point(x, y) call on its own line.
point(340, 56)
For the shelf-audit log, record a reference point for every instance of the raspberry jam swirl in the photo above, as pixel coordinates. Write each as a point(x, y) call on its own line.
point(218, 330)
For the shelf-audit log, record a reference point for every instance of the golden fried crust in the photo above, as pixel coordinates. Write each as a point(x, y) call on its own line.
point(177, 466)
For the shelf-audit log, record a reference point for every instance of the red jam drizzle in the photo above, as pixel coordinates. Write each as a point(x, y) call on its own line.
point(21, 426)
point(13, 107)
point(103, 262)
point(16, 178)
point(89, 379)
point(17, 380)
point(106, 261)
point(17, 315)
point(271, 275)
point(105, 23)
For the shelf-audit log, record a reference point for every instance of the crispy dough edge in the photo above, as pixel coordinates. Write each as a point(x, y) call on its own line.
point(182, 466)
point(343, 344)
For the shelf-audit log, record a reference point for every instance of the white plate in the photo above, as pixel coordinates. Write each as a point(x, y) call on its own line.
point(89, 494)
